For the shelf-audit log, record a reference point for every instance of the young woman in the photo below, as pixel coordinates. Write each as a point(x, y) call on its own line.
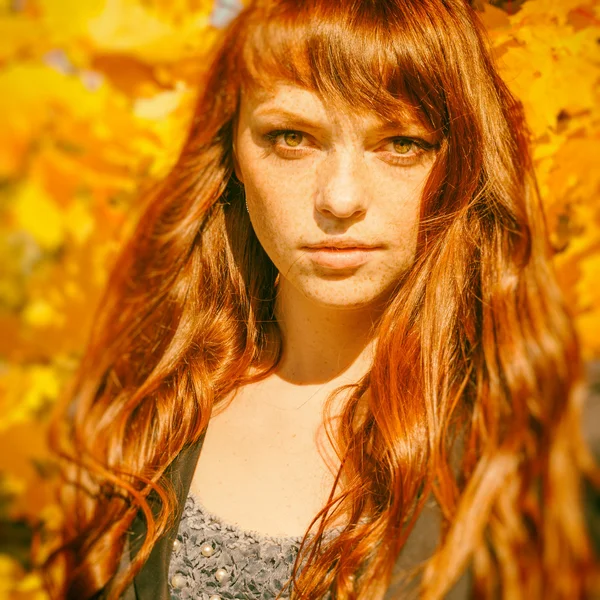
point(333, 361)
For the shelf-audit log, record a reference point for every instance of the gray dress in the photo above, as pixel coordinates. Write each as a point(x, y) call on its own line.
point(215, 560)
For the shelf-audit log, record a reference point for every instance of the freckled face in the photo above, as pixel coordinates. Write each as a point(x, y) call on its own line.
point(333, 196)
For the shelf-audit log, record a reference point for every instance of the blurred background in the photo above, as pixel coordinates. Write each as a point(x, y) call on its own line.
point(95, 97)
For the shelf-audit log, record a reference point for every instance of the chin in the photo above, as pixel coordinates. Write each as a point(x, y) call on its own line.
point(344, 294)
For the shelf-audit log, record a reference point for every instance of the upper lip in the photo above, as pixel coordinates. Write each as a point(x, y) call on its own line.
point(342, 243)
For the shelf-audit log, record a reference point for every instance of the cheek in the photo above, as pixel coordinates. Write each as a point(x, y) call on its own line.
point(399, 205)
point(278, 208)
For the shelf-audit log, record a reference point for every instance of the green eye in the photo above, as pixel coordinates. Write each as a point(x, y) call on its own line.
point(292, 138)
point(402, 146)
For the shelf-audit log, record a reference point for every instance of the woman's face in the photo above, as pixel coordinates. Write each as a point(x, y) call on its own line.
point(333, 196)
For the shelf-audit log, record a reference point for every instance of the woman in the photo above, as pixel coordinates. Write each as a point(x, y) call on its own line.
point(341, 294)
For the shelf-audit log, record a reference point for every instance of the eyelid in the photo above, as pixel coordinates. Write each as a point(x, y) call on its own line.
point(418, 142)
point(421, 145)
point(273, 135)
point(288, 152)
point(421, 149)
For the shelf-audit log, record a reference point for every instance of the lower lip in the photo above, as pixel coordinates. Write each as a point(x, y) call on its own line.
point(342, 258)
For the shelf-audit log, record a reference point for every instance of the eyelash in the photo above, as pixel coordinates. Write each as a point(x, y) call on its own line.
point(421, 147)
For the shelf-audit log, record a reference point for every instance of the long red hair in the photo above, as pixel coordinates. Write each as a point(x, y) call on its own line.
point(476, 388)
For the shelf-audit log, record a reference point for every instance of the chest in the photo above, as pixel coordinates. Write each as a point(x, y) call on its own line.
point(267, 467)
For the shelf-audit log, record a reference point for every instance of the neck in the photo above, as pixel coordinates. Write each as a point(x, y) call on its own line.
point(320, 343)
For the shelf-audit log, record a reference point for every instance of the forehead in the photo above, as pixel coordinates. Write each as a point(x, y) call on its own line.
point(372, 57)
point(283, 99)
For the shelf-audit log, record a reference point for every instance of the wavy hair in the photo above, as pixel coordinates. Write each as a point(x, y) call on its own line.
point(476, 387)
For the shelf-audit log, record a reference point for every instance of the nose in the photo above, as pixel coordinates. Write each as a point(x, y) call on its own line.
point(342, 190)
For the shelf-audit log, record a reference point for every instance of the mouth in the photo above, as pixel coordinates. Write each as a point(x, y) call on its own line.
point(345, 244)
point(341, 255)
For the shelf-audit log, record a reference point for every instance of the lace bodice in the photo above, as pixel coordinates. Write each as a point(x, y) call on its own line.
point(215, 560)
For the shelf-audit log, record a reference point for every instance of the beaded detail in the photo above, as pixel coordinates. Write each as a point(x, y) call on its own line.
point(215, 560)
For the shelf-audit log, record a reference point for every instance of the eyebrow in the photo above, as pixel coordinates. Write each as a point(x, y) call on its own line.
point(302, 121)
point(287, 115)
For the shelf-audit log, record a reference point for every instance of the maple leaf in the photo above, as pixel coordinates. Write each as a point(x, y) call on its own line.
point(36, 213)
point(129, 27)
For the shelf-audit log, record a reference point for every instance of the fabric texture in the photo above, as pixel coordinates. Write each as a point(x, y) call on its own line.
point(236, 563)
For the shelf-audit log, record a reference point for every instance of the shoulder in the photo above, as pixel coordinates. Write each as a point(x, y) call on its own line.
point(151, 583)
point(425, 536)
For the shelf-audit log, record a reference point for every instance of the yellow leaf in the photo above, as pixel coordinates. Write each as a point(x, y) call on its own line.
point(36, 99)
point(589, 291)
point(11, 485)
point(550, 10)
point(40, 313)
point(10, 570)
point(36, 213)
point(32, 582)
point(588, 327)
point(79, 222)
point(68, 18)
point(15, 584)
point(29, 88)
point(549, 83)
point(18, 33)
point(159, 106)
point(25, 390)
point(129, 27)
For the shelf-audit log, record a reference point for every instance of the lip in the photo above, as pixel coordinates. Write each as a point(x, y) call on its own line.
point(342, 243)
point(341, 254)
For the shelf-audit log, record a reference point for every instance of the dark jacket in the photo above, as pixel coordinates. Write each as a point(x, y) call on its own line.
point(152, 581)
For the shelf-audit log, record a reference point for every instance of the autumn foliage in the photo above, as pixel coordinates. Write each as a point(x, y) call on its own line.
point(95, 98)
